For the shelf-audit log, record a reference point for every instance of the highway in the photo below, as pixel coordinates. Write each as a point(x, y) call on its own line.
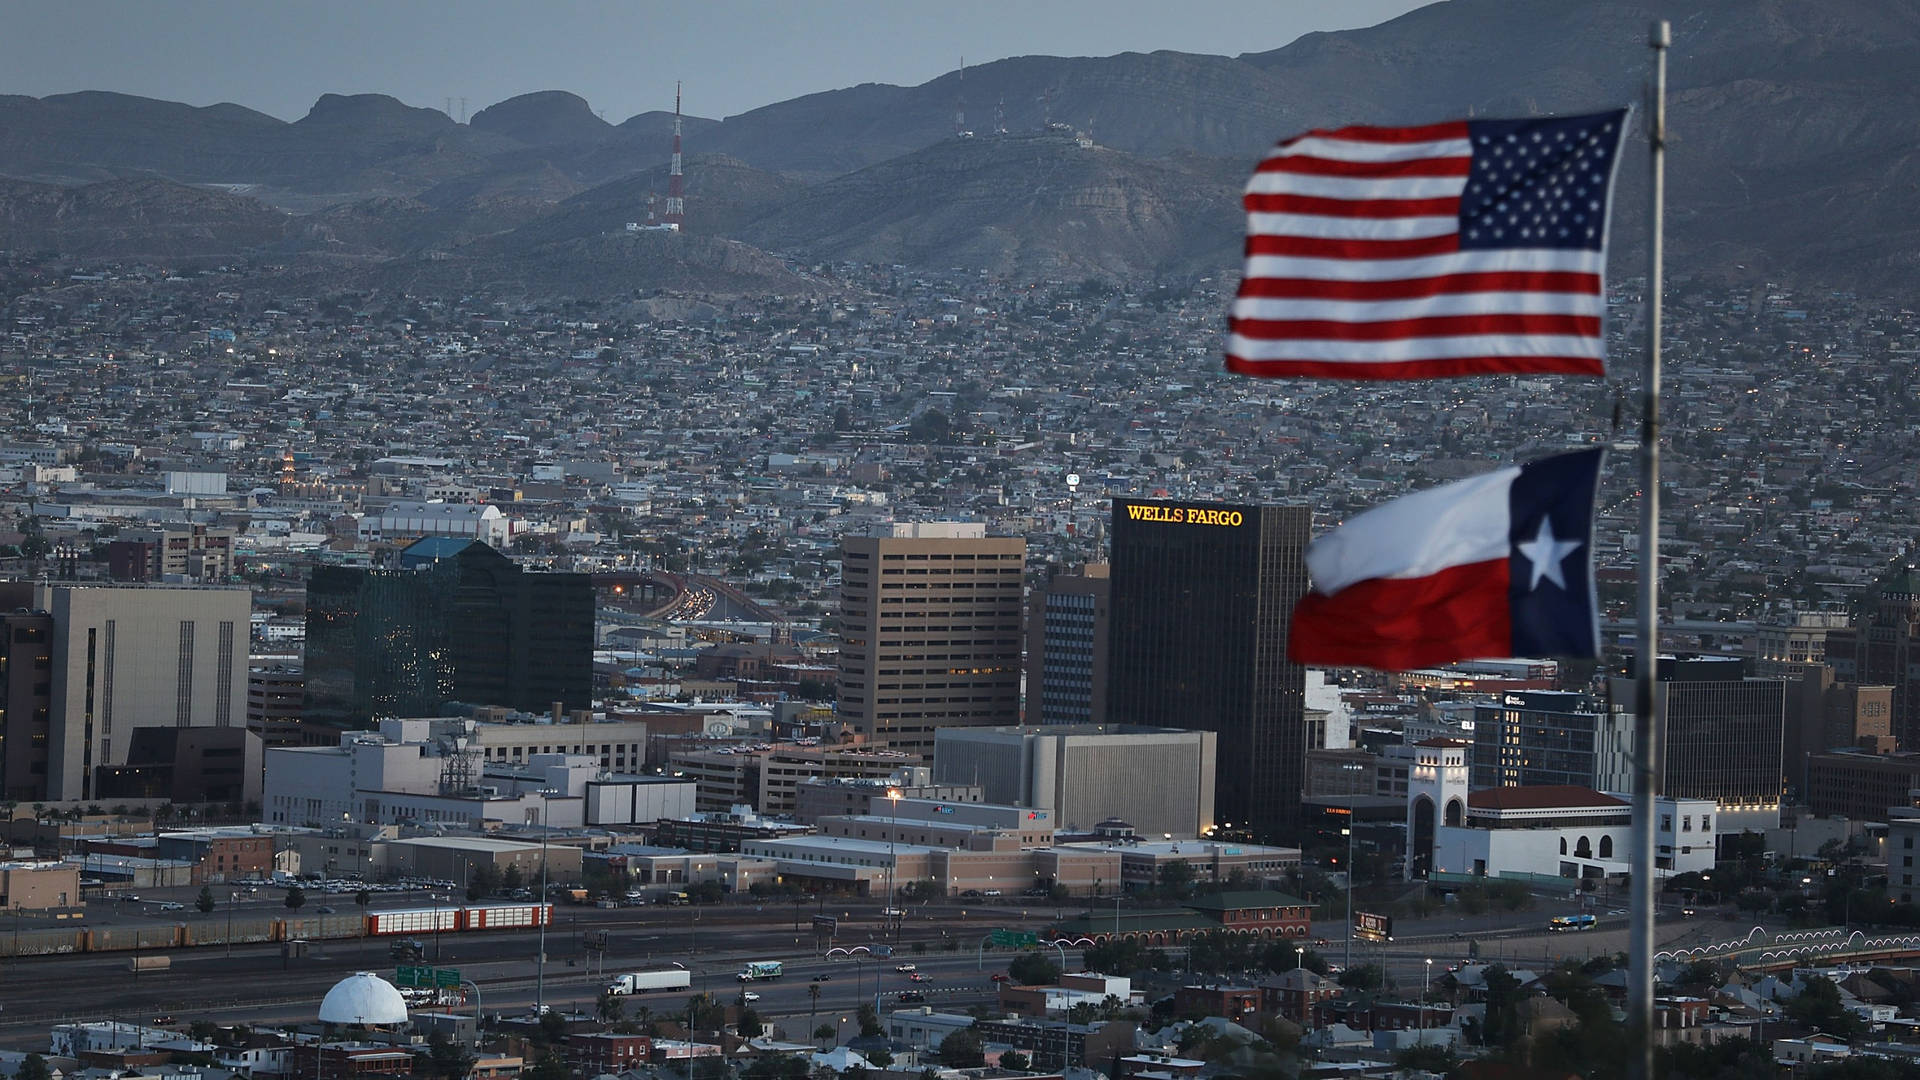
point(255, 984)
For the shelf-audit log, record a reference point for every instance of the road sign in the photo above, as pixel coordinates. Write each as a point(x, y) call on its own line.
point(445, 977)
point(1014, 939)
point(414, 977)
point(1368, 926)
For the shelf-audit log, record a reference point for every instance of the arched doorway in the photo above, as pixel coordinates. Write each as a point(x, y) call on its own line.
point(1422, 845)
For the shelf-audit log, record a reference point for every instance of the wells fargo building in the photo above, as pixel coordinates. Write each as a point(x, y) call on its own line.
point(1202, 595)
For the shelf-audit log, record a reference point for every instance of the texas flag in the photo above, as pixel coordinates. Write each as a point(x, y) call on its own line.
point(1493, 566)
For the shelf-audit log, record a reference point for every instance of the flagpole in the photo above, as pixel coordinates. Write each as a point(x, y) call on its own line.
point(1640, 986)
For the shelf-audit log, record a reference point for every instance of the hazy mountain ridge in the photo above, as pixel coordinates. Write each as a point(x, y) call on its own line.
point(1793, 128)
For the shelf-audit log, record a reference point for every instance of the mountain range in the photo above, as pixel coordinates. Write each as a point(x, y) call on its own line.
point(1792, 154)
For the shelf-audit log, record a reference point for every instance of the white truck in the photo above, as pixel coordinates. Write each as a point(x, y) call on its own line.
point(640, 982)
point(757, 970)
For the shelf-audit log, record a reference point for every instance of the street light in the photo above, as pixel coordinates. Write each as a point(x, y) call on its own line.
point(1299, 957)
point(1350, 766)
point(1426, 986)
point(540, 908)
point(893, 827)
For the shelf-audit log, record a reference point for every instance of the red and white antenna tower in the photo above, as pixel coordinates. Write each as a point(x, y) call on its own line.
point(676, 187)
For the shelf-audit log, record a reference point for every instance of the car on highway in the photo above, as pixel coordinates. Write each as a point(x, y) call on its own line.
point(918, 977)
point(904, 967)
point(821, 978)
point(1001, 976)
point(324, 909)
point(171, 905)
point(908, 997)
point(749, 995)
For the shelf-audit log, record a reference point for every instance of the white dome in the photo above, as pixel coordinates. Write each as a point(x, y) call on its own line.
point(363, 998)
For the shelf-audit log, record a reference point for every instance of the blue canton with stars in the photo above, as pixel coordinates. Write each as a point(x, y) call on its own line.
point(1540, 183)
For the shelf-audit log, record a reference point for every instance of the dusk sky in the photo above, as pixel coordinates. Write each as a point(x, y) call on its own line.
point(277, 56)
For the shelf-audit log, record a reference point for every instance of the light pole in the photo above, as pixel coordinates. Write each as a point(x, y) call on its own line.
point(1426, 986)
point(231, 893)
point(1299, 957)
point(1350, 766)
point(540, 909)
point(893, 827)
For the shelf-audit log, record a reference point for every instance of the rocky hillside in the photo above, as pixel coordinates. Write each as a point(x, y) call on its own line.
point(1034, 205)
point(136, 219)
point(1794, 128)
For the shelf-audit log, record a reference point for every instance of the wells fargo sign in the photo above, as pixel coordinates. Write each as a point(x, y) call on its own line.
point(1184, 515)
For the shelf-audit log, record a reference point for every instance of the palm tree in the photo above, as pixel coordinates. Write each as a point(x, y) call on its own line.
point(813, 1002)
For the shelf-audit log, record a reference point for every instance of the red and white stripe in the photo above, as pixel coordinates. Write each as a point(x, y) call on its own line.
point(1354, 269)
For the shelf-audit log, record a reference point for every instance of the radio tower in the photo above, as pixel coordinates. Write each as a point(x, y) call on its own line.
point(676, 187)
point(960, 104)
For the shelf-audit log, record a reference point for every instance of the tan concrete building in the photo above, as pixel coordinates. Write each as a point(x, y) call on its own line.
point(768, 778)
point(930, 627)
point(619, 745)
point(454, 858)
point(36, 886)
point(1159, 780)
point(136, 656)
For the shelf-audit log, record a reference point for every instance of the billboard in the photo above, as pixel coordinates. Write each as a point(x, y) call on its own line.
point(1368, 926)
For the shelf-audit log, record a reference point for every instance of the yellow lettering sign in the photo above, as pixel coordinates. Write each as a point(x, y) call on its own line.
point(1187, 515)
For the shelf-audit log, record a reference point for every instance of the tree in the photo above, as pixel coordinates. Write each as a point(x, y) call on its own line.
point(610, 1008)
point(363, 897)
point(551, 1066)
point(482, 882)
point(963, 1050)
point(1427, 1057)
point(825, 1032)
point(869, 1018)
point(448, 1060)
point(1818, 1006)
point(1015, 1060)
point(748, 1025)
point(511, 878)
point(296, 897)
point(1176, 878)
point(1033, 969)
point(33, 1067)
point(205, 900)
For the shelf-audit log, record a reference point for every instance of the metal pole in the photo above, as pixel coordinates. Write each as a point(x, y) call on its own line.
point(1640, 982)
point(540, 912)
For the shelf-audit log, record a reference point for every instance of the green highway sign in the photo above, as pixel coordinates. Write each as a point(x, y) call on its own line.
point(1014, 939)
point(425, 978)
point(446, 977)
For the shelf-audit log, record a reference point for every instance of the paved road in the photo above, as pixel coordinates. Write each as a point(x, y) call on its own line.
point(254, 982)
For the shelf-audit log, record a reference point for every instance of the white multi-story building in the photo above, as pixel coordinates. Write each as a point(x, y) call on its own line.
point(1570, 832)
point(431, 771)
point(409, 520)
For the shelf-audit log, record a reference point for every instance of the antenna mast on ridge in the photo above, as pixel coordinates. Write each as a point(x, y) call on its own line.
point(676, 187)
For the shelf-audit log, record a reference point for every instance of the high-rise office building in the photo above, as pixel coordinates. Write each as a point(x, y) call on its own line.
point(930, 631)
point(454, 620)
point(1202, 597)
point(117, 658)
point(1532, 738)
point(1067, 621)
point(26, 693)
point(1721, 738)
point(1879, 649)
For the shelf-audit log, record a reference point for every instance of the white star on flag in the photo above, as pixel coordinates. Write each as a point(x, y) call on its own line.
point(1545, 553)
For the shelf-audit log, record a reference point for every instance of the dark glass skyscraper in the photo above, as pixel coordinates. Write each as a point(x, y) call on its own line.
point(1202, 596)
point(457, 621)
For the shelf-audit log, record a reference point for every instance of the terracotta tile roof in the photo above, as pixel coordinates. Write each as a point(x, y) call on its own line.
point(1540, 797)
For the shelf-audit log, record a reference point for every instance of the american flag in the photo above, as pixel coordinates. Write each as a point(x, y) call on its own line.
point(1474, 247)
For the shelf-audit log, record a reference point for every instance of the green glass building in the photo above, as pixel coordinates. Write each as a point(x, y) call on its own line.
point(454, 620)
